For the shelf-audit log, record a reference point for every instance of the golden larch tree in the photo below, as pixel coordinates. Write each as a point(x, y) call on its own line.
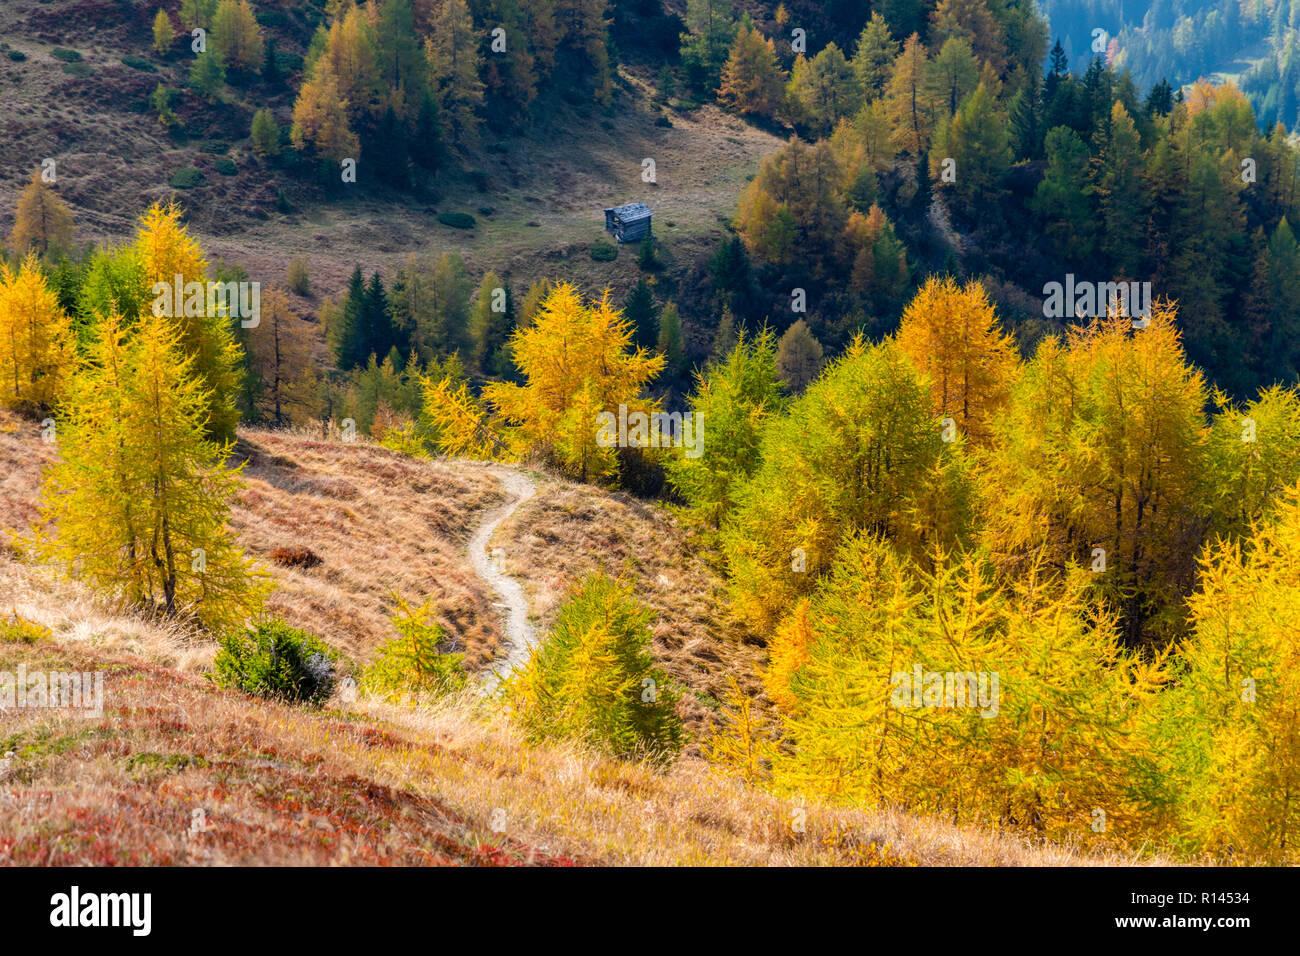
point(577, 361)
point(453, 59)
point(320, 117)
point(237, 36)
point(752, 80)
point(1098, 460)
point(952, 335)
point(138, 502)
point(37, 343)
point(1230, 732)
point(909, 100)
point(163, 32)
point(167, 251)
point(42, 220)
point(279, 351)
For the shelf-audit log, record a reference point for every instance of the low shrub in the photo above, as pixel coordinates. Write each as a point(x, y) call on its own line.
point(457, 220)
point(18, 630)
point(414, 664)
point(295, 557)
point(603, 251)
point(187, 178)
point(298, 277)
point(278, 662)
point(67, 56)
point(139, 63)
point(226, 166)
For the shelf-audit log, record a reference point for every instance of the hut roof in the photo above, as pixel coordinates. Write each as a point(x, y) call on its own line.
point(631, 212)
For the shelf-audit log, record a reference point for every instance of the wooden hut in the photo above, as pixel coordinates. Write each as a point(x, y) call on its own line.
point(630, 223)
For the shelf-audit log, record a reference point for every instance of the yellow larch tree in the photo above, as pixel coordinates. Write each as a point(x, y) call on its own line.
point(952, 335)
point(320, 117)
point(37, 342)
point(943, 692)
point(909, 101)
point(1097, 461)
point(42, 220)
point(457, 423)
point(578, 362)
point(752, 80)
point(743, 745)
point(279, 350)
point(237, 36)
point(167, 251)
point(164, 34)
point(1230, 732)
point(138, 502)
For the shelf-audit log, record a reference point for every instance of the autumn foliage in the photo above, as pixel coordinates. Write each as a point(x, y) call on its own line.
point(1113, 553)
point(577, 362)
point(37, 355)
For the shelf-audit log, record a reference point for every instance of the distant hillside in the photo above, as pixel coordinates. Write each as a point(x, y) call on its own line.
point(1182, 41)
point(537, 190)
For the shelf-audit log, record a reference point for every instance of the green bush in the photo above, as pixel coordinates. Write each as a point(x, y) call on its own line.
point(161, 100)
point(457, 220)
point(265, 134)
point(278, 662)
point(139, 63)
point(67, 56)
point(592, 678)
point(187, 178)
point(226, 166)
point(17, 56)
point(78, 69)
point(413, 663)
point(298, 277)
point(603, 251)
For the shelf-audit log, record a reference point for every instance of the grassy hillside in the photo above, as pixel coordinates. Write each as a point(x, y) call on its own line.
point(368, 782)
point(372, 523)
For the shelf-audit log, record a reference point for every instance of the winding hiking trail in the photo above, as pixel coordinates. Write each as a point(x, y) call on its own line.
point(520, 635)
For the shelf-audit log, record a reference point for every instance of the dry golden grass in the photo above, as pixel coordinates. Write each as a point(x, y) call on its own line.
point(380, 522)
point(377, 783)
point(22, 456)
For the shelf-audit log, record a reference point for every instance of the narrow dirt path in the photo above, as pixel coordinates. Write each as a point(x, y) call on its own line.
point(520, 635)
